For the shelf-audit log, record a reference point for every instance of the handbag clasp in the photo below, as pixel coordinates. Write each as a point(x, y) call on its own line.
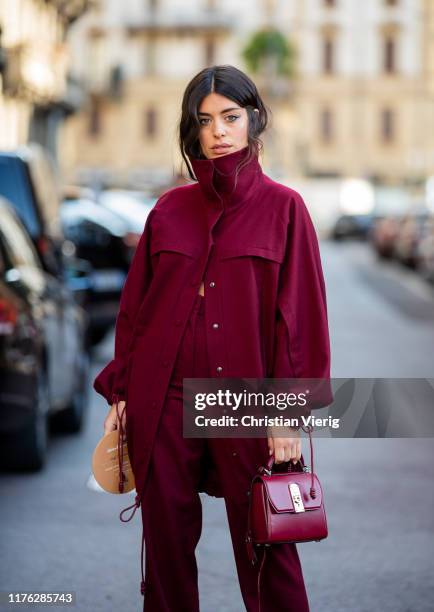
point(297, 502)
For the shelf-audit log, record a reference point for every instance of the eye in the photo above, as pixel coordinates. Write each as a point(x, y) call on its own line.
point(231, 118)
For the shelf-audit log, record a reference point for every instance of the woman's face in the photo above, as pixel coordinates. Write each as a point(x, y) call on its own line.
point(223, 126)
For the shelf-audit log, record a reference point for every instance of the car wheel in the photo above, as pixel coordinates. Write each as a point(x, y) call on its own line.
point(26, 450)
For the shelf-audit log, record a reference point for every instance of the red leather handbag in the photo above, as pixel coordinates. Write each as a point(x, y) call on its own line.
point(285, 507)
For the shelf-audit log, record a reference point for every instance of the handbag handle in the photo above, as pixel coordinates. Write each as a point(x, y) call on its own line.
point(291, 466)
point(268, 470)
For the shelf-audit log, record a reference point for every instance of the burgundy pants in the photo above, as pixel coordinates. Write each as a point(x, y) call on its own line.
point(172, 510)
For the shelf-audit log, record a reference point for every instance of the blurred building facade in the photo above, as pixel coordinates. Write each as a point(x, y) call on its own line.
point(361, 95)
point(359, 101)
point(36, 92)
point(136, 58)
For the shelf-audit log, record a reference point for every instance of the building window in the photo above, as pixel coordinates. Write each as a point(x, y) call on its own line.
point(328, 55)
point(326, 126)
point(387, 126)
point(150, 122)
point(389, 54)
point(209, 51)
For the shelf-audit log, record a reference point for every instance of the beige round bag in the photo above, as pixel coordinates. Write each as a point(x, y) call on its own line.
point(109, 455)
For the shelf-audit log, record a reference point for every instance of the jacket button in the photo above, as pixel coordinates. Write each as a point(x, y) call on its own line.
point(219, 368)
point(234, 454)
point(212, 284)
point(215, 325)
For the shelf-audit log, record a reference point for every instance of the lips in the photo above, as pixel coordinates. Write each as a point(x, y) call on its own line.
point(221, 148)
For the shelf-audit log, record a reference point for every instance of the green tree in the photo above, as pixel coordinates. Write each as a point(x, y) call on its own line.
point(269, 46)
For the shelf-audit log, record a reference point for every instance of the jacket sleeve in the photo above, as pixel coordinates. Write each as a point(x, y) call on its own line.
point(302, 344)
point(110, 382)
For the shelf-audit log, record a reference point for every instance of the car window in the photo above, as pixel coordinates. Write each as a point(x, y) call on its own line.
point(19, 247)
point(15, 187)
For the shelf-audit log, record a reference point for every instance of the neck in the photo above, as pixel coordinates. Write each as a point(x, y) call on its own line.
point(219, 182)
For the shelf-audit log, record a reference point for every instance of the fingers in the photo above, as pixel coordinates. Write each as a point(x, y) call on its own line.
point(111, 422)
point(287, 449)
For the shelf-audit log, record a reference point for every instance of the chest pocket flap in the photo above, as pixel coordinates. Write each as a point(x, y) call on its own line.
point(172, 245)
point(229, 252)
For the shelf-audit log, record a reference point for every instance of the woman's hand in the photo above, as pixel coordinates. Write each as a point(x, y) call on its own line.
point(111, 422)
point(285, 448)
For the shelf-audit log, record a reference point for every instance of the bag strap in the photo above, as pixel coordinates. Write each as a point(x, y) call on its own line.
point(308, 429)
point(249, 542)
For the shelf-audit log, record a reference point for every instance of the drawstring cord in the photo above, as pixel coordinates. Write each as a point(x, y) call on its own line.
point(122, 478)
point(120, 443)
point(135, 506)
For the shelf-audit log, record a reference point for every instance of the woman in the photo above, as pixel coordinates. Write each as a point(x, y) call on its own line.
point(226, 281)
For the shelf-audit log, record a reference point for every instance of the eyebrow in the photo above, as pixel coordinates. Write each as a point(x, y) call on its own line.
point(223, 111)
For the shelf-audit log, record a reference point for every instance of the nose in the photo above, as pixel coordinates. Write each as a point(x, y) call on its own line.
point(219, 128)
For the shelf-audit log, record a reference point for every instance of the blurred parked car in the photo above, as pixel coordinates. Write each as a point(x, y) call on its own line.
point(102, 238)
point(132, 206)
point(425, 250)
point(356, 205)
point(408, 235)
point(27, 180)
point(352, 226)
point(383, 234)
point(43, 357)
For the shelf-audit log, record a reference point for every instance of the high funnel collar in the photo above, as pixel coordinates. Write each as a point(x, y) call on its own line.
point(218, 180)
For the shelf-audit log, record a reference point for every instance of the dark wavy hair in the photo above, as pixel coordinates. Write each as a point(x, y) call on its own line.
point(234, 84)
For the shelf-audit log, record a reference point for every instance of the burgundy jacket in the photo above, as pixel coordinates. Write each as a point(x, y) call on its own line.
point(253, 243)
